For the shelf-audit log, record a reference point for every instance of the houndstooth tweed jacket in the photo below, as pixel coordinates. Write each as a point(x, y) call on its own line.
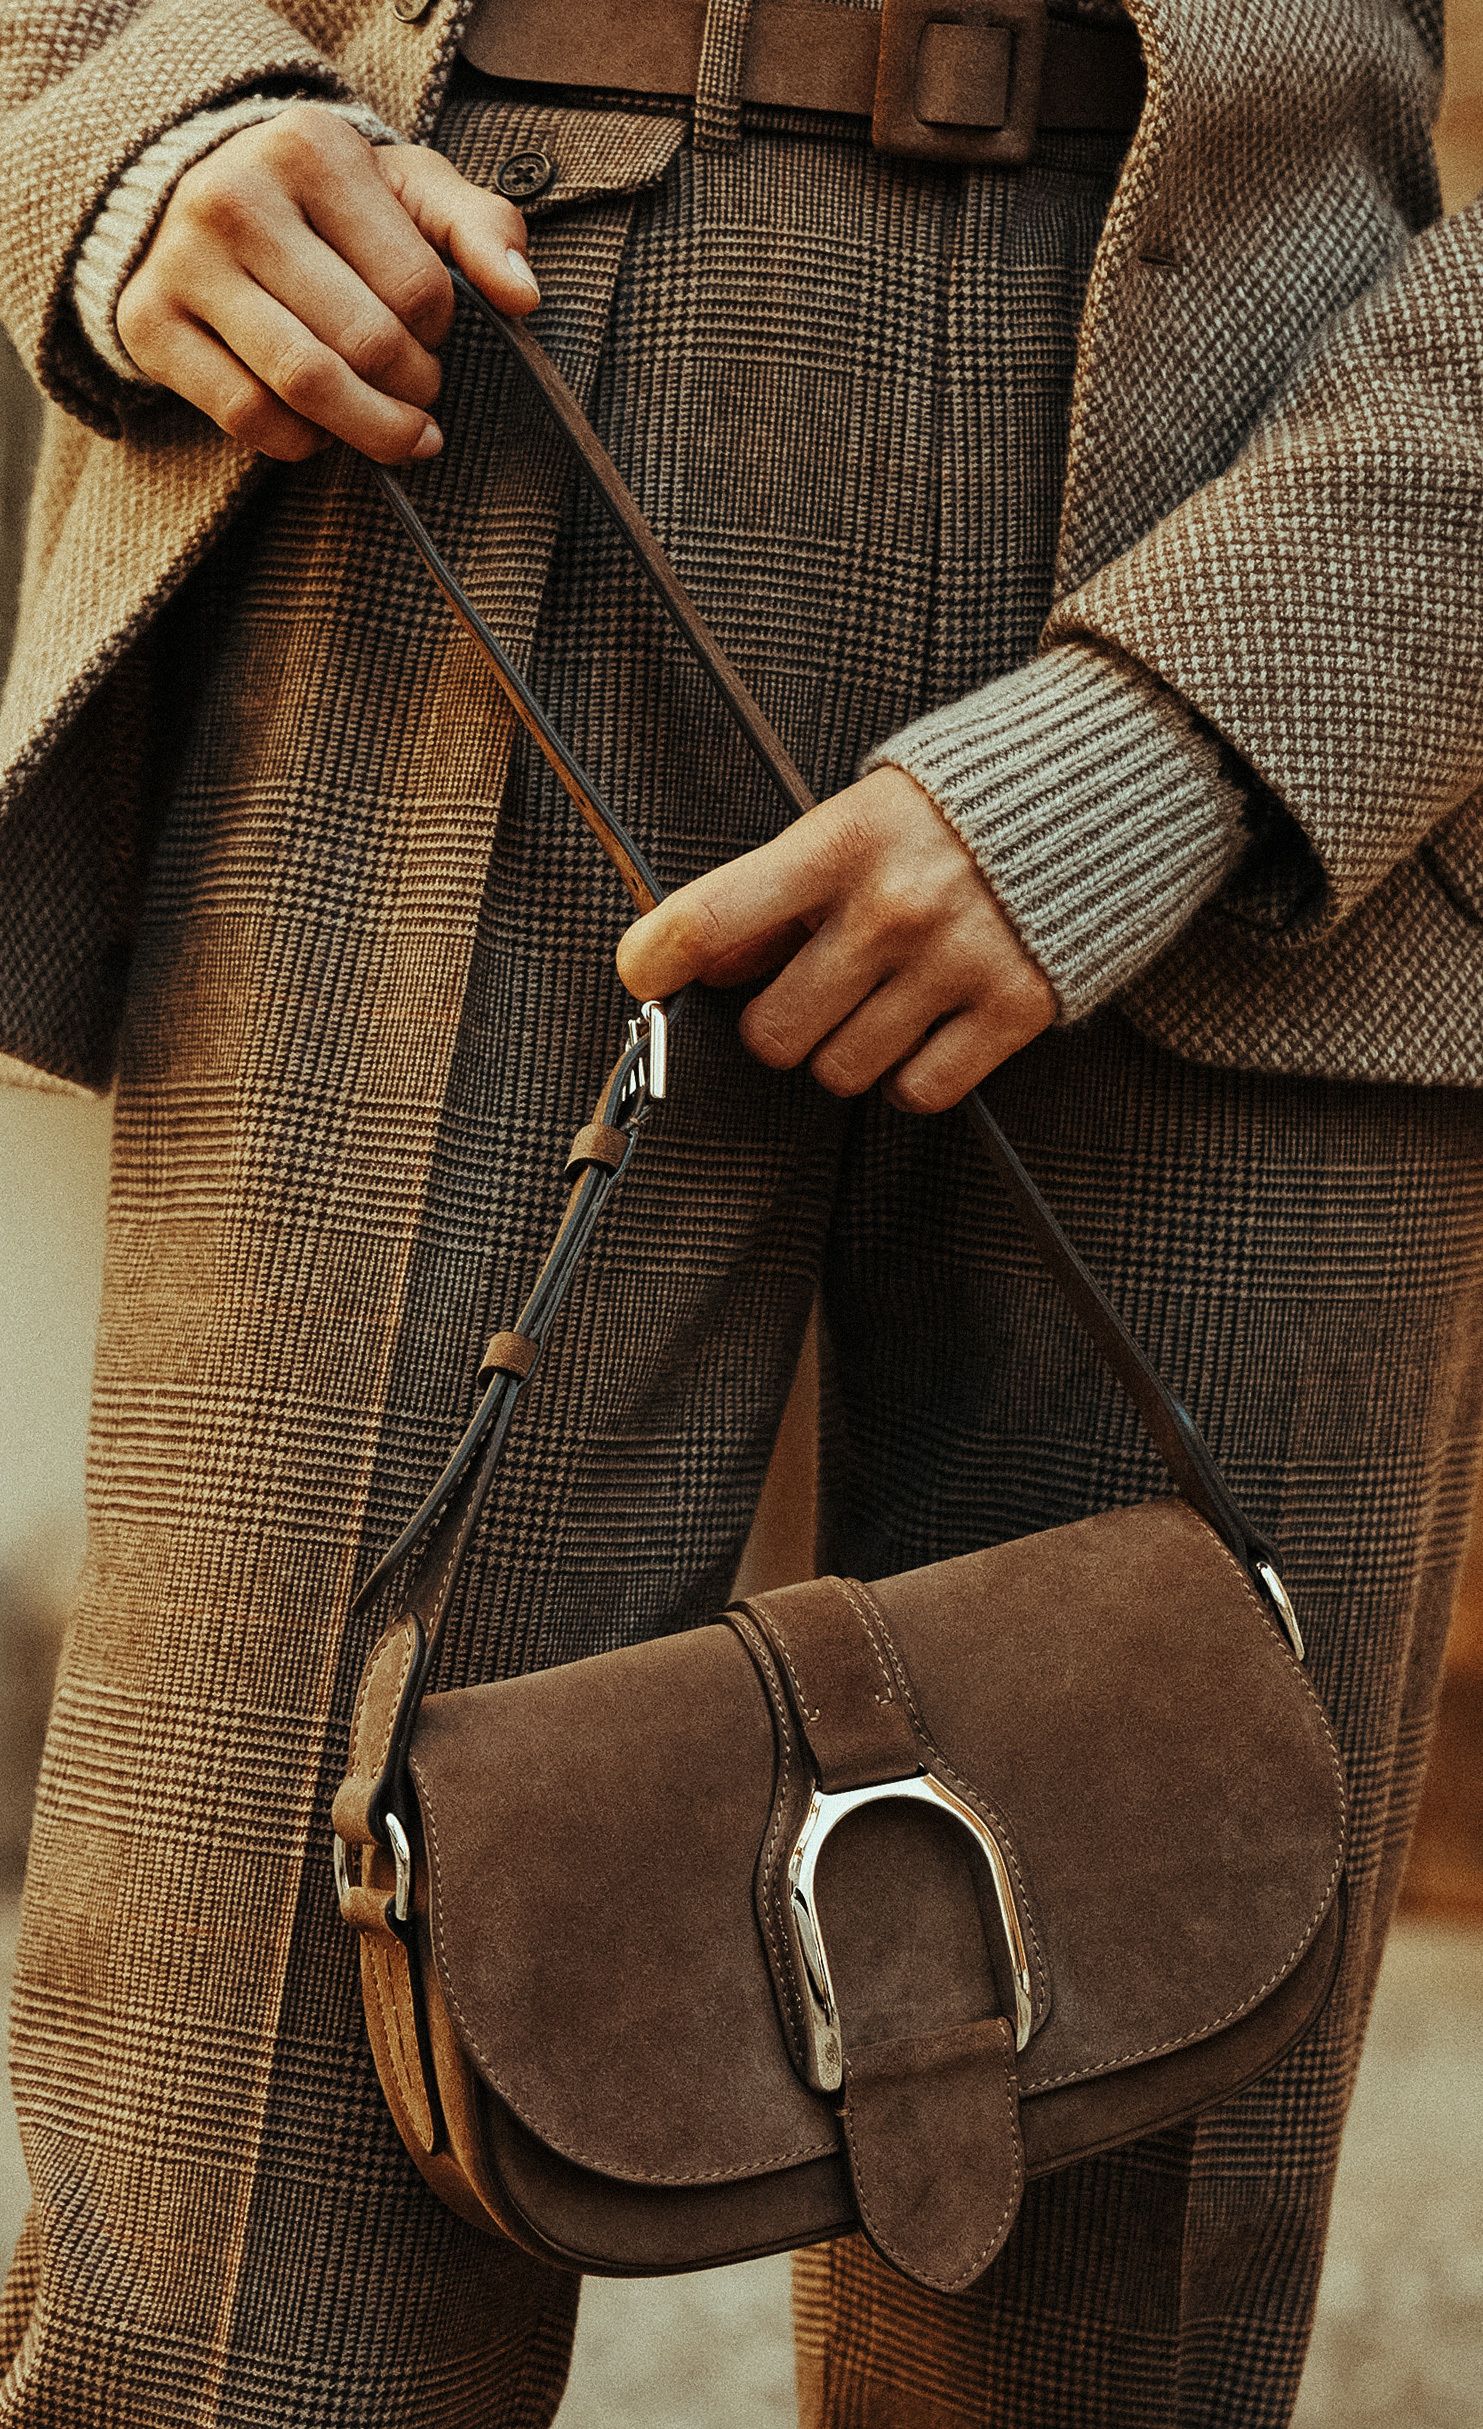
point(1271, 556)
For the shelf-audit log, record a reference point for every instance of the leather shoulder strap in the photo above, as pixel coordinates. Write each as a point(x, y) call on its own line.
point(1169, 1424)
point(437, 1536)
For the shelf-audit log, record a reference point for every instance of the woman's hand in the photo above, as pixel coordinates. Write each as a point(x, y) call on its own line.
point(294, 288)
point(892, 956)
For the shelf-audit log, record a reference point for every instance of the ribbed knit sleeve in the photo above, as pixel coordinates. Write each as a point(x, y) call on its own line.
point(120, 234)
point(1100, 810)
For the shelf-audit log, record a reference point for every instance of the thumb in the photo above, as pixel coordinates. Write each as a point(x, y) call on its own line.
point(479, 231)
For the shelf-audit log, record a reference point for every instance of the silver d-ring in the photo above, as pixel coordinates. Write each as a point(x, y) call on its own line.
point(1281, 1602)
point(824, 2054)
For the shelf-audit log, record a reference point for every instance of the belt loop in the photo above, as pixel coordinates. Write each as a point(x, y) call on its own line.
point(718, 78)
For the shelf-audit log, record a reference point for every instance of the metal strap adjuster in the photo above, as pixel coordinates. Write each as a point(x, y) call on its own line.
point(401, 1855)
point(960, 84)
point(649, 1079)
point(1281, 1602)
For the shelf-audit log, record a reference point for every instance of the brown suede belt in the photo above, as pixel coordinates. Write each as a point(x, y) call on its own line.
point(965, 83)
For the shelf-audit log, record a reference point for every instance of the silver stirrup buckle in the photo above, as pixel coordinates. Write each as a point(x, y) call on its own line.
point(827, 1809)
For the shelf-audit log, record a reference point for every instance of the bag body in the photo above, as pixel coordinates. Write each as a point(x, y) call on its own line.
point(602, 2031)
point(860, 1904)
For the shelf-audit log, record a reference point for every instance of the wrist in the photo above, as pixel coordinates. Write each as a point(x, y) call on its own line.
point(1101, 812)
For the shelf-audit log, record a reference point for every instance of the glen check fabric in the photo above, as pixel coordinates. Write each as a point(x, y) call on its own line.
point(1273, 467)
point(364, 1016)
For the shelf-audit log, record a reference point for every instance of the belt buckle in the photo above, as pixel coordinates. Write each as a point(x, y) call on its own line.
point(996, 47)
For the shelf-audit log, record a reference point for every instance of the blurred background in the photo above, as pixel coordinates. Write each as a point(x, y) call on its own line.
point(1400, 2336)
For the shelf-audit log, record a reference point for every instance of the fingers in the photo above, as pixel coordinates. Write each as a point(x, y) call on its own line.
point(810, 999)
point(335, 304)
point(480, 231)
point(359, 215)
point(314, 259)
point(736, 920)
point(885, 1029)
point(966, 1047)
point(953, 1060)
point(189, 359)
point(311, 379)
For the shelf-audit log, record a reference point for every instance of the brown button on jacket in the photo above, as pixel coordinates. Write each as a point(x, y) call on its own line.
point(1274, 503)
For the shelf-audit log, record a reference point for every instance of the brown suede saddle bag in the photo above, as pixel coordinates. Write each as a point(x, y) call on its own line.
point(861, 1904)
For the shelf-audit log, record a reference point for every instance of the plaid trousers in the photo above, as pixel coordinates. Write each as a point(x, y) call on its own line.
point(372, 994)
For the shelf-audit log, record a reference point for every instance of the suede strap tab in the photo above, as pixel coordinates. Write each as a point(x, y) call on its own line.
point(598, 1143)
point(932, 2125)
point(508, 1353)
point(843, 1682)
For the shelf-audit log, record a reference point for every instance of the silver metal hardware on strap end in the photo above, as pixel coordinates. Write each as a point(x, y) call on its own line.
point(401, 1851)
point(1281, 1602)
point(824, 2054)
point(649, 1028)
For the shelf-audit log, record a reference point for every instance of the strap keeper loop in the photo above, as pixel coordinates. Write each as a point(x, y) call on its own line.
point(597, 1143)
point(367, 1908)
point(508, 1354)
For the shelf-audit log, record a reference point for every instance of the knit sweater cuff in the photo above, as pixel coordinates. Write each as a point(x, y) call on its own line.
point(1099, 808)
point(116, 242)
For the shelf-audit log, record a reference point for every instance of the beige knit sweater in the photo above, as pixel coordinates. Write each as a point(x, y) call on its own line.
point(1269, 555)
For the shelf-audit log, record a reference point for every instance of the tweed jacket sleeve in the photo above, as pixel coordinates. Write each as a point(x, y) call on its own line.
point(1318, 607)
point(84, 91)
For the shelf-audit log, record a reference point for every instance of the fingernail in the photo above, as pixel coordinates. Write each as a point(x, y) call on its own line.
point(521, 270)
point(430, 443)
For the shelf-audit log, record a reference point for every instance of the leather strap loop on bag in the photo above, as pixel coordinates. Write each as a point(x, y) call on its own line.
point(856, 1724)
point(844, 1703)
point(932, 2127)
point(508, 1353)
point(597, 1143)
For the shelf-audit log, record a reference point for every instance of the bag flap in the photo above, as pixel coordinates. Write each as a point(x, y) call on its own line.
point(1114, 1688)
point(592, 1834)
